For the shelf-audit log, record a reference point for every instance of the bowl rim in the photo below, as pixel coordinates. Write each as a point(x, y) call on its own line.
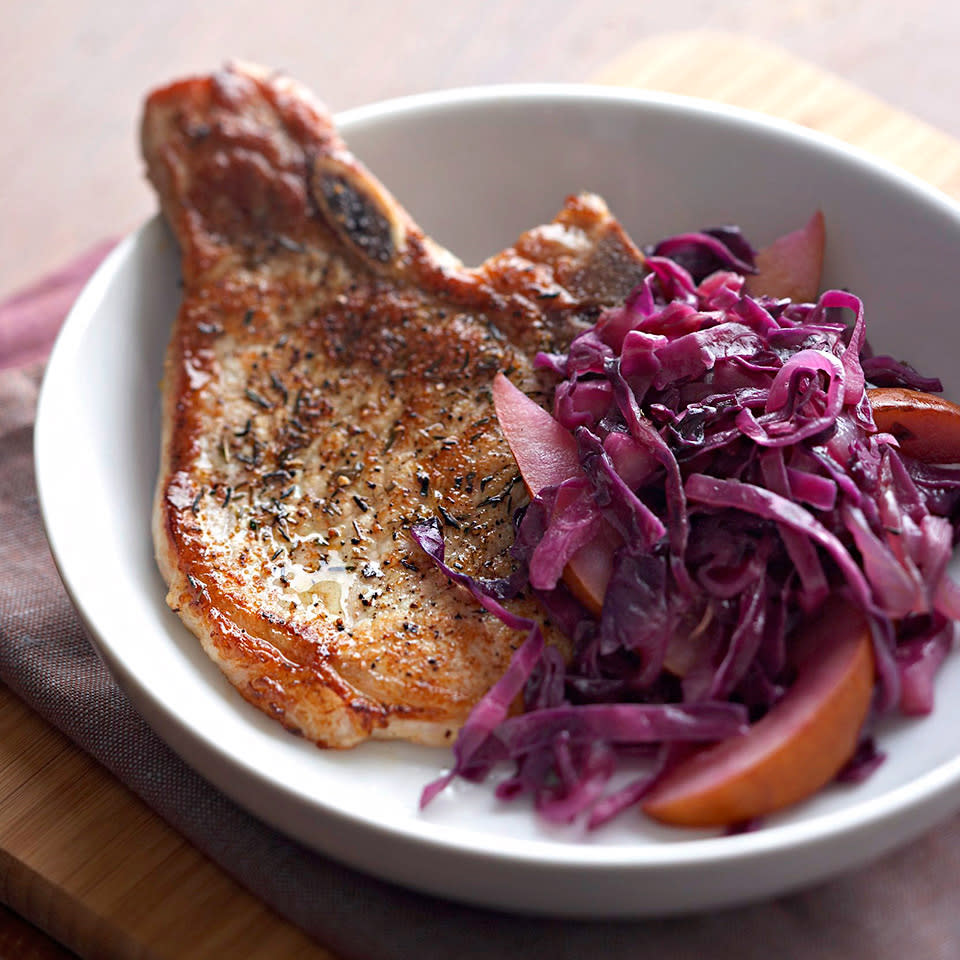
point(867, 815)
point(661, 100)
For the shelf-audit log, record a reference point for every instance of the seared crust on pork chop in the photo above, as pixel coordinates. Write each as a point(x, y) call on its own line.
point(327, 384)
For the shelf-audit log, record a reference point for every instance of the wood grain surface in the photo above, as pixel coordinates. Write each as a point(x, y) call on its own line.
point(85, 860)
point(786, 86)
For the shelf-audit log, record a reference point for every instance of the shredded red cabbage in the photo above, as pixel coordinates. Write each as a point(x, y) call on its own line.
point(727, 446)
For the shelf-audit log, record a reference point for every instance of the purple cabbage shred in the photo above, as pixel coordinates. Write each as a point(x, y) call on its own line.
point(728, 451)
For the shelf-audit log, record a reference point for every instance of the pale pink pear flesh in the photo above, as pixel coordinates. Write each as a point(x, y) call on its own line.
point(792, 265)
point(795, 749)
point(589, 571)
point(546, 454)
point(631, 461)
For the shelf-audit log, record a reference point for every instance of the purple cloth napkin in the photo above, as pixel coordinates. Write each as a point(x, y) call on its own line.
point(903, 907)
point(30, 319)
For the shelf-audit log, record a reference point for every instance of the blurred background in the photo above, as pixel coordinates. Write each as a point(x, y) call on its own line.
point(72, 75)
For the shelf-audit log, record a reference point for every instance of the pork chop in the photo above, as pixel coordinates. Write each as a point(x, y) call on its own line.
point(327, 384)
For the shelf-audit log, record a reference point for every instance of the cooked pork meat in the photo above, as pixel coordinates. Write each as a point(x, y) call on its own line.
point(327, 384)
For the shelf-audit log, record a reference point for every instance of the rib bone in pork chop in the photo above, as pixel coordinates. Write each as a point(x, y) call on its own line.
point(326, 385)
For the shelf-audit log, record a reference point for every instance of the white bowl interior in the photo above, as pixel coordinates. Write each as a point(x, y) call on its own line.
point(476, 168)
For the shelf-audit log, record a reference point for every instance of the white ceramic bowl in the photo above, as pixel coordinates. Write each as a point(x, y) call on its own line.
point(476, 167)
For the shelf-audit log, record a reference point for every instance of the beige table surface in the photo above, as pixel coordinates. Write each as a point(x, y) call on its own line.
point(72, 76)
point(72, 73)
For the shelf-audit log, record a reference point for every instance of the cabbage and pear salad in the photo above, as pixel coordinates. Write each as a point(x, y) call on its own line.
point(742, 518)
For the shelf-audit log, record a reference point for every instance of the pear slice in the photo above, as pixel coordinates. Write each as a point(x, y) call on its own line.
point(791, 266)
point(546, 454)
point(793, 751)
point(927, 426)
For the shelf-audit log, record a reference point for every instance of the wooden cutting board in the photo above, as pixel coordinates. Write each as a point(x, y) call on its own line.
point(85, 860)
